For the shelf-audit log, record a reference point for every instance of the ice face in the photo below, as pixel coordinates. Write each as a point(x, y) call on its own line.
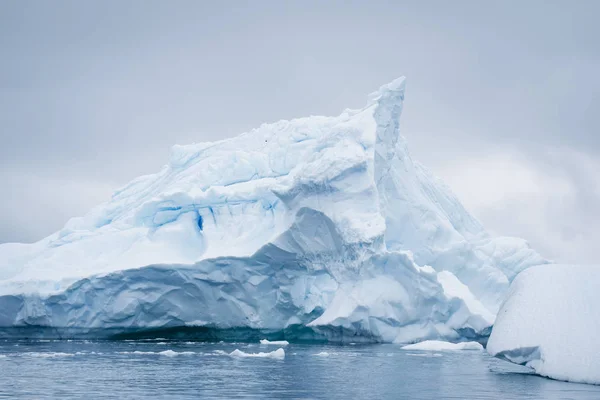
point(549, 323)
point(321, 222)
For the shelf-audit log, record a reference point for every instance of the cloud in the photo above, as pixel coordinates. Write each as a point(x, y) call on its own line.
point(90, 98)
point(37, 205)
point(551, 200)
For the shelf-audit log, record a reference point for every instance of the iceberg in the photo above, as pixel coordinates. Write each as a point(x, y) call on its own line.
point(278, 354)
point(274, 343)
point(549, 322)
point(319, 228)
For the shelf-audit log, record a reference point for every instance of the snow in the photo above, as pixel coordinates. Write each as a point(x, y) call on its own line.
point(549, 322)
point(278, 354)
point(275, 342)
point(438, 345)
point(320, 222)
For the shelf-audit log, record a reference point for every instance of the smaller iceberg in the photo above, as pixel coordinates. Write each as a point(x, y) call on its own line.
point(439, 345)
point(278, 354)
point(171, 353)
point(550, 321)
point(275, 342)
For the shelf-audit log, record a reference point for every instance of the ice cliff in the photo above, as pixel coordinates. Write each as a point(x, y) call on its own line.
point(319, 223)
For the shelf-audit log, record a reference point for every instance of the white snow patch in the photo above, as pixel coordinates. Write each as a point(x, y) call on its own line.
point(550, 321)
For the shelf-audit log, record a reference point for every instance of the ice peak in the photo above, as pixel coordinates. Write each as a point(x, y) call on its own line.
point(393, 90)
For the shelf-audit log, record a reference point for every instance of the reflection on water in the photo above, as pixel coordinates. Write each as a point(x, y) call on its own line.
point(165, 369)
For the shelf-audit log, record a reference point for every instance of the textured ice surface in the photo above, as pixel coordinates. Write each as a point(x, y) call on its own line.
point(323, 222)
point(438, 345)
point(550, 323)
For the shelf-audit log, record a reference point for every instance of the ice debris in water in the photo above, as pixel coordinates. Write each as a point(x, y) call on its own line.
point(438, 345)
point(274, 342)
point(171, 353)
point(278, 354)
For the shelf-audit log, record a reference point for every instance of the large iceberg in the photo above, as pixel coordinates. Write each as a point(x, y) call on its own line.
point(319, 225)
point(549, 322)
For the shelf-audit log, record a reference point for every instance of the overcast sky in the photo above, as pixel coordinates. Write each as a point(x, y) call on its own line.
point(502, 98)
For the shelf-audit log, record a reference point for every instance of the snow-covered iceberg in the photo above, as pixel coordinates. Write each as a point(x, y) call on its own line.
point(320, 225)
point(549, 322)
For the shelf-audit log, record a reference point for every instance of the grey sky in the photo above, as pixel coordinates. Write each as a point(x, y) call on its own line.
point(502, 98)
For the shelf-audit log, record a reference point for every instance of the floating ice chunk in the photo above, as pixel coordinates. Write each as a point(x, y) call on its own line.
point(322, 354)
point(550, 321)
point(274, 342)
point(438, 345)
point(171, 353)
point(278, 354)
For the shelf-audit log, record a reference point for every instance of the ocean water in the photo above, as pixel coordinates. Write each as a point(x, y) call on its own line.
point(190, 370)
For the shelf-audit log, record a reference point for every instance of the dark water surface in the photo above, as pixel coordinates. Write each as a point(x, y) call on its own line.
point(185, 370)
